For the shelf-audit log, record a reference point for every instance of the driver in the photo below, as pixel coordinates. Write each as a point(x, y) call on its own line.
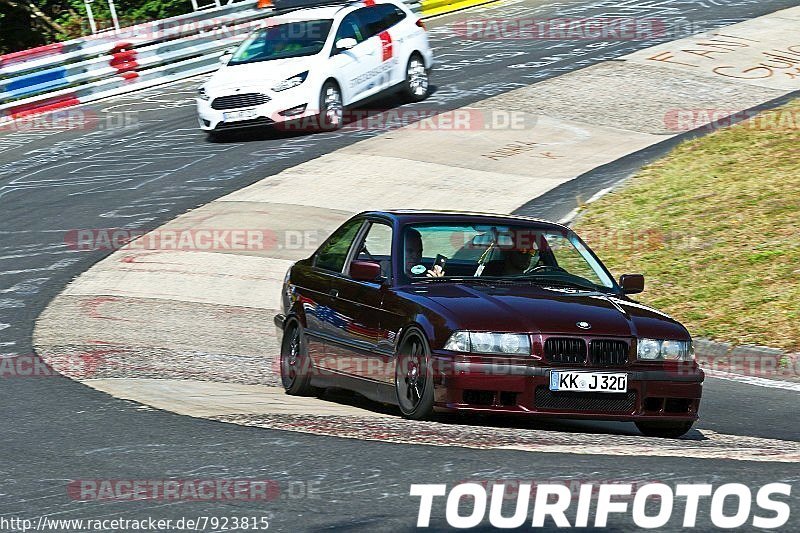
point(518, 262)
point(413, 250)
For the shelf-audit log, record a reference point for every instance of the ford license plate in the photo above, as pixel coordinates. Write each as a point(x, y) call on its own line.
point(235, 116)
point(588, 381)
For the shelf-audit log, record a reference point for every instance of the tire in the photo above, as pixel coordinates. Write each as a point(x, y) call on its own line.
point(415, 88)
point(295, 363)
point(331, 109)
point(666, 430)
point(215, 136)
point(413, 377)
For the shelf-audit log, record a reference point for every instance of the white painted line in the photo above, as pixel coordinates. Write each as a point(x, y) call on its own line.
point(570, 217)
point(599, 194)
point(753, 380)
point(567, 220)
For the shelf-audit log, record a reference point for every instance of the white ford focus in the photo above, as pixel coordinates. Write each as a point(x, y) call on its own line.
point(313, 62)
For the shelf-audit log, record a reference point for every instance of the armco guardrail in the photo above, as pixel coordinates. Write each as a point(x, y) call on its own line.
point(83, 70)
point(88, 69)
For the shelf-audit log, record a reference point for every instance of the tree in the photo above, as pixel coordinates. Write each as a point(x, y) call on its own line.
point(35, 12)
point(29, 23)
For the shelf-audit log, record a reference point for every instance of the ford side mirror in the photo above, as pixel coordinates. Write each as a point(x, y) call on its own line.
point(365, 270)
point(226, 56)
point(345, 44)
point(631, 283)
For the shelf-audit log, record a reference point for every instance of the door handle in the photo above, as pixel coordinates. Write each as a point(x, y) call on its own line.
point(334, 293)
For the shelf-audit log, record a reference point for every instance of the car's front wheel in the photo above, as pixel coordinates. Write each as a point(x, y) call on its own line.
point(413, 377)
point(295, 363)
point(416, 84)
point(216, 136)
point(331, 108)
point(668, 430)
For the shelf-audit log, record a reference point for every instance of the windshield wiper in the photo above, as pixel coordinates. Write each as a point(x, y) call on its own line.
point(567, 283)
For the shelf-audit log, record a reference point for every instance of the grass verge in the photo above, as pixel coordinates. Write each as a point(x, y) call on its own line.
point(715, 228)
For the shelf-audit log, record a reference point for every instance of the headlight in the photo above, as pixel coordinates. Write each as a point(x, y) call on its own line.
point(677, 350)
point(485, 342)
point(288, 83)
point(665, 350)
point(201, 93)
point(458, 342)
point(649, 349)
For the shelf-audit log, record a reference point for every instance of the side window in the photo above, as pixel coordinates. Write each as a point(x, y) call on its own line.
point(376, 19)
point(377, 247)
point(350, 28)
point(392, 15)
point(333, 254)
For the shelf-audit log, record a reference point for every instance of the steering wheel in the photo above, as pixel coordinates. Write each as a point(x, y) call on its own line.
point(365, 251)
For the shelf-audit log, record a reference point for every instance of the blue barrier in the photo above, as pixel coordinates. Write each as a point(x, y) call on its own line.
point(47, 80)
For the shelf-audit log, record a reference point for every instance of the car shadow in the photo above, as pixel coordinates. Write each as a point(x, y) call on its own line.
point(362, 116)
point(498, 420)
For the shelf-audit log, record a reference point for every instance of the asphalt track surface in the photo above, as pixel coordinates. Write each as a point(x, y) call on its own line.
point(142, 163)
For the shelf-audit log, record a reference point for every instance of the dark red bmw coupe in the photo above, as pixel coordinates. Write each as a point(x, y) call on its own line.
point(486, 313)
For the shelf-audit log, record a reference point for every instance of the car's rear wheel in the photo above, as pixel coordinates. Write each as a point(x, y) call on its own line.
point(413, 377)
point(416, 84)
point(295, 363)
point(668, 430)
point(331, 109)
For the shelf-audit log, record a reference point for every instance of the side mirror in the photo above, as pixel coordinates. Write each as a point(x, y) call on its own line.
point(631, 283)
point(226, 56)
point(345, 44)
point(365, 270)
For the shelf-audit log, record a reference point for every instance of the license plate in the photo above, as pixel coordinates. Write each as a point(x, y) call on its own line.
point(588, 381)
point(235, 116)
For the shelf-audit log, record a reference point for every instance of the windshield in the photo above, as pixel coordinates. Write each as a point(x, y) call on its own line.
point(533, 253)
point(293, 39)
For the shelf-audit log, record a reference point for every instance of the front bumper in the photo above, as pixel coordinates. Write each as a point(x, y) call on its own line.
point(266, 114)
point(475, 384)
point(280, 323)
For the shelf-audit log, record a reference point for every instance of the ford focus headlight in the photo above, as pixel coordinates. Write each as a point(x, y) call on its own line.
point(664, 350)
point(201, 93)
point(490, 343)
point(288, 83)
